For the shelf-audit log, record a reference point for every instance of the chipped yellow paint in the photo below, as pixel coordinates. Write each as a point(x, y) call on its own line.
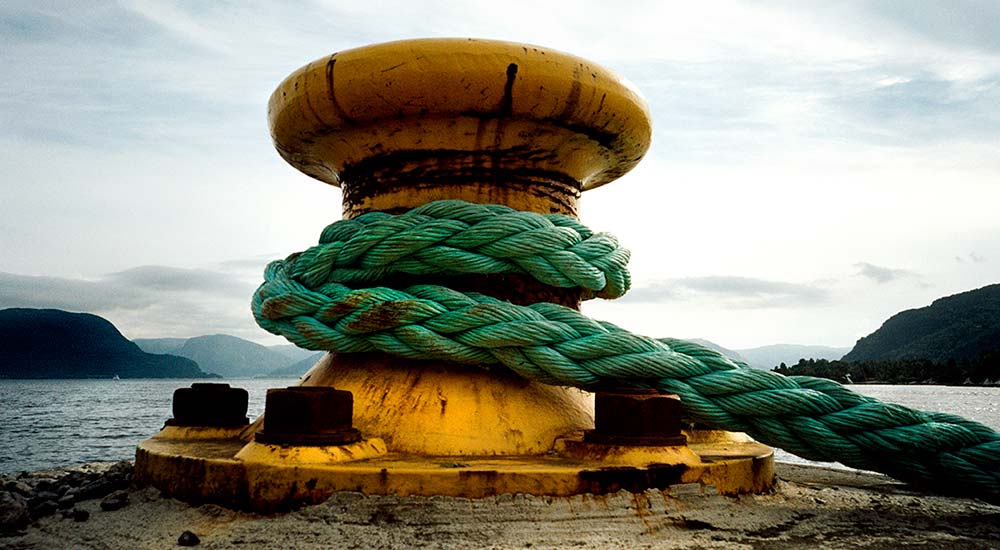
point(200, 432)
point(626, 455)
point(254, 452)
point(712, 437)
point(183, 464)
point(267, 477)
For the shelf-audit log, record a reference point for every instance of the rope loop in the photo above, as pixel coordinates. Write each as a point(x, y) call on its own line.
point(456, 237)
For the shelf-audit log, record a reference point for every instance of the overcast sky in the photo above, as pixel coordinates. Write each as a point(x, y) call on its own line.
point(816, 166)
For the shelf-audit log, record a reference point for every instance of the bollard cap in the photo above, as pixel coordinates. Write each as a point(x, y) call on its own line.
point(480, 105)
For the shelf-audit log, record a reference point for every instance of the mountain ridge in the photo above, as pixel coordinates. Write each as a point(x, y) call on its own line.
point(231, 356)
point(959, 327)
point(52, 343)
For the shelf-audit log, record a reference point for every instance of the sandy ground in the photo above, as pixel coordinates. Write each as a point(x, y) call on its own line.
point(811, 507)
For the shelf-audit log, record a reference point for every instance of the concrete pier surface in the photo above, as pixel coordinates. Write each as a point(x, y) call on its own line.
point(811, 507)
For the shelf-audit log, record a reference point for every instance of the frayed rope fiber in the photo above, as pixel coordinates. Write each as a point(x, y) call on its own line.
point(327, 298)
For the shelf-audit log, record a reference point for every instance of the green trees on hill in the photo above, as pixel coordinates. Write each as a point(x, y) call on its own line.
point(955, 340)
point(963, 327)
point(982, 371)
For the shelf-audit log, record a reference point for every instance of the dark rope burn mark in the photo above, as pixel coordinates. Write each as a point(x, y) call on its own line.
point(330, 93)
point(507, 102)
point(312, 110)
point(573, 99)
point(505, 110)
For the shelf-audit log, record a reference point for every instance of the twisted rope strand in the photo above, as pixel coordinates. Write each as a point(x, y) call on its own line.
point(455, 237)
point(814, 418)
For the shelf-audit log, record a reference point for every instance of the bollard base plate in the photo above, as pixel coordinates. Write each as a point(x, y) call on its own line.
point(220, 467)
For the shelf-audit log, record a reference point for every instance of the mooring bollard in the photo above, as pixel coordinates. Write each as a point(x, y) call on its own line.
point(398, 126)
point(402, 124)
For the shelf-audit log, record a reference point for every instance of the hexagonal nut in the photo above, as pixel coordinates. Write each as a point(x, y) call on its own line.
point(637, 417)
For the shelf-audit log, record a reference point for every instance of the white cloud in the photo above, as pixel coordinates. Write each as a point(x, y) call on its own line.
point(739, 292)
point(881, 274)
point(147, 301)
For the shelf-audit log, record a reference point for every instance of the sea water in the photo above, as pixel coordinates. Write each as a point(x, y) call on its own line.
point(50, 423)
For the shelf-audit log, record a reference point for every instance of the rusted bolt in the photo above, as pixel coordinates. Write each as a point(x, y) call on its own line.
point(308, 415)
point(209, 405)
point(636, 417)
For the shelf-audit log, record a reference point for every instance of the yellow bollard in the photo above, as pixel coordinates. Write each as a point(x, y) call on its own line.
point(399, 125)
point(402, 124)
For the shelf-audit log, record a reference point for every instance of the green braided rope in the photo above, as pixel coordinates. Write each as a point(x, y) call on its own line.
point(815, 418)
point(455, 237)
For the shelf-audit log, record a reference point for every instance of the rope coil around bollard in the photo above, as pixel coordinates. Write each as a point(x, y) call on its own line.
point(308, 298)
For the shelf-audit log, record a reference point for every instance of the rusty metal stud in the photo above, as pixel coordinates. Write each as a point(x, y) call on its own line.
point(308, 415)
point(637, 417)
point(209, 405)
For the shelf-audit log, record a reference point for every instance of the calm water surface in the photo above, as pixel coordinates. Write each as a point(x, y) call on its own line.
point(49, 423)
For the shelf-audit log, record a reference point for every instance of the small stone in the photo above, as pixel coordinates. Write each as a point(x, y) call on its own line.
point(120, 472)
point(42, 496)
point(115, 501)
point(75, 478)
point(148, 494)
point(14, 514)
point(21, 488)
point(188, 538)
point(66, 501)
point(43, 509)
point(95, 489)
point(44, 484)
point(80, 515)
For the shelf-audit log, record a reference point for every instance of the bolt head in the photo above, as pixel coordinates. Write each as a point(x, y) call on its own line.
point(209, 404)
point(308, 415)
point(637, 417)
